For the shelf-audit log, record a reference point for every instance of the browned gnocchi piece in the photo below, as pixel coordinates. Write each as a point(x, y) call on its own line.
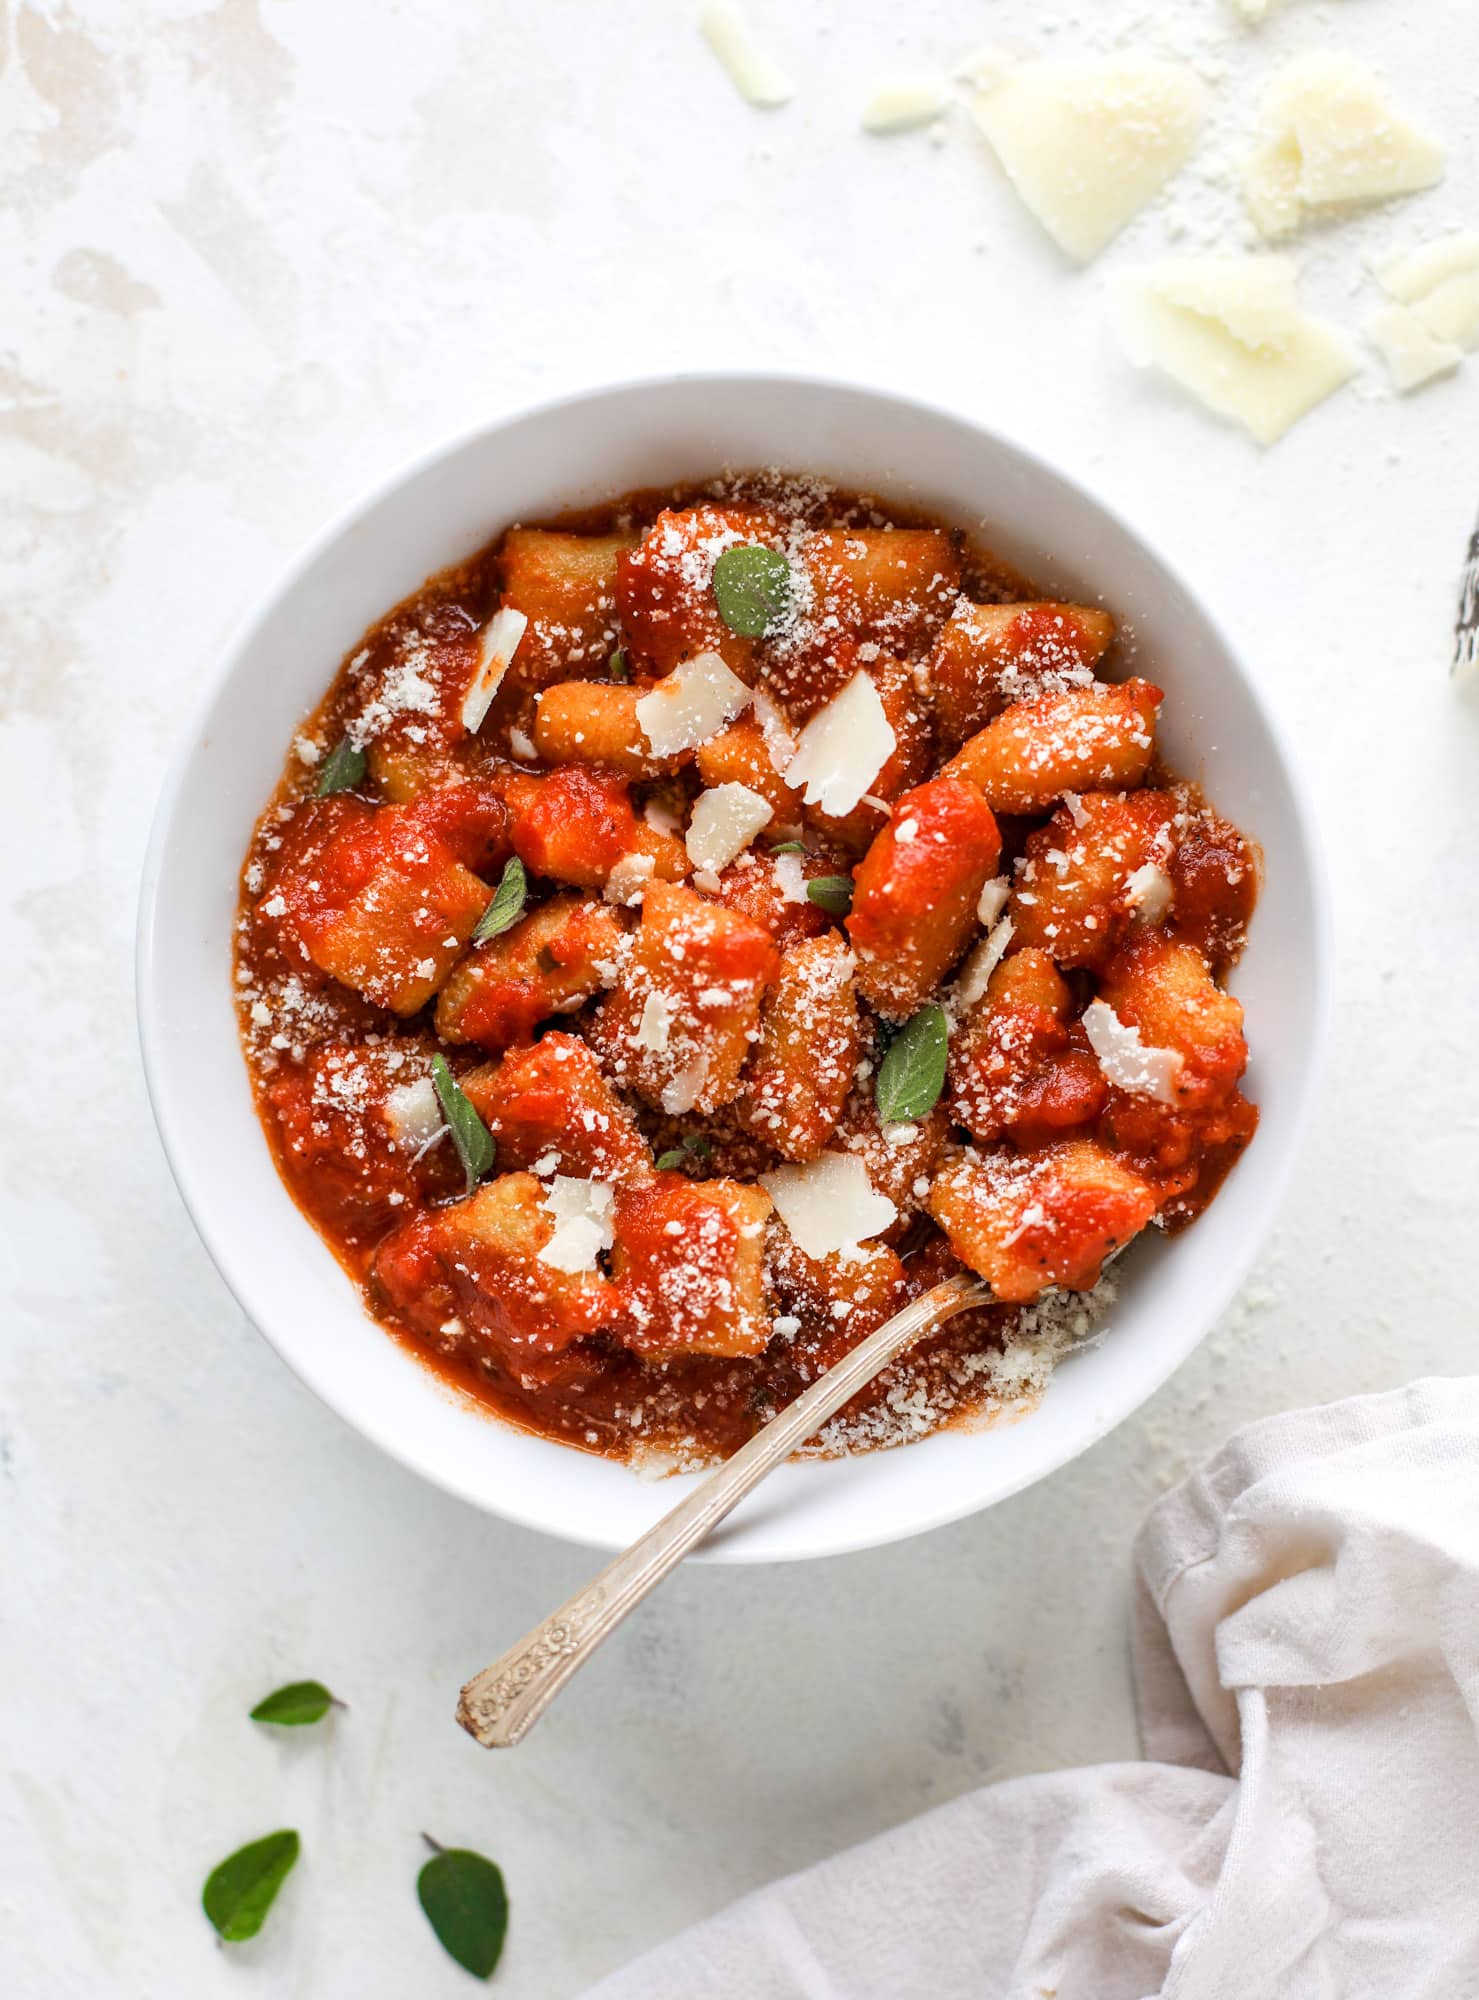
point(565, 585)
point(1028, 1221)
point(810, 1039)
point(1098, 865)
point(1094, 738)
point(988, 656)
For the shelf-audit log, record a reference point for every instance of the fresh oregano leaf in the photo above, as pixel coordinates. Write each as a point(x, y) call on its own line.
point(466, 1905)
point(670, 1161)
point(617, 666)
point(790, 847)
point(471, 1137)
point(343, 771)
point(292, 1706)
point(695, 1145)
point(507, 905)
point(752, 585)
point(239, 1893)
point(832, 893)
point(912, 1074)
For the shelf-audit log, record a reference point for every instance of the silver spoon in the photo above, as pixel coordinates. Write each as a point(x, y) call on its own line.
point(504, 1701)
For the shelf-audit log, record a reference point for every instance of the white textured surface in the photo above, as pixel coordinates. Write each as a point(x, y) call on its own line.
point(251, 260)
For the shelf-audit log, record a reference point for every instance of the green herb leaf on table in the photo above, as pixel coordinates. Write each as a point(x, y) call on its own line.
point(617, 666)
point(912, 1074)
point(752, 585)
point(832, 893)
point(466, 1905)
point(292, 1706)
point(471, 1137)
point(343, 771)
point(239, 1893)
point(507, 905)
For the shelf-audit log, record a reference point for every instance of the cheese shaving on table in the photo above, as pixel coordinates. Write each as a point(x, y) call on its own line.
point(841, 751)
point(1332, 138)
point(829, 1203)
point(1436, 315)
point(904, 105)
point(758, 80)
point(496, 648)
point(724, 822)
point(1088, 144)
point(1230, 330)
point(581, 1211)
point(1125, 1059)
point(690, 705)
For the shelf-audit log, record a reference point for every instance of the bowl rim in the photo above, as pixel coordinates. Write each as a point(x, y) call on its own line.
point(232, 1269)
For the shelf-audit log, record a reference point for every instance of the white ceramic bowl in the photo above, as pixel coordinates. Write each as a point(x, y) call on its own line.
point(581, 450)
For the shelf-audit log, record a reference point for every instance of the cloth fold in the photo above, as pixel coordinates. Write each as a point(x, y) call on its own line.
point(1306, 1825)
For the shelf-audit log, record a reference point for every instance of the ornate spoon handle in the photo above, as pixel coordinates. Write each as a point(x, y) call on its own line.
point(504, 1701)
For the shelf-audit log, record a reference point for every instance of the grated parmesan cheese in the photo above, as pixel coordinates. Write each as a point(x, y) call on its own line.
point(1125, 1059)
point(499, 643)
point(841, 751)
point(829, 1203)
point(690, 705)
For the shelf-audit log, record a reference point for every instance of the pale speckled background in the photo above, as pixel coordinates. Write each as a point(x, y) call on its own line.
point(255, 255)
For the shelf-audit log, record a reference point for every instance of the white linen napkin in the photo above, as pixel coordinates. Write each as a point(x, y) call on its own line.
point(1307, 1620)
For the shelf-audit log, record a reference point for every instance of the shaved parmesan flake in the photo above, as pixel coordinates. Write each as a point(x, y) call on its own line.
point(499, 643)
point(843, 748)
point(1437, 315)
point(780, 738)
point(904, 106)
point(724, 822)
point(522, 744)
point(1331, 138)
point(413, 1113)
point(975, 976)
point(1087, 144)
point(1412, 354)
point(1125, 1059)
point(656, 1022)
point(829, 1203)
point(790, 878)
point(625, 883)
point(581, 1212)
point(1414, 274)
point(1230, 331)
point(690, 705)
point(758, 80)
point(686, 1087)
point(1148, 892)
point(994, 899)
